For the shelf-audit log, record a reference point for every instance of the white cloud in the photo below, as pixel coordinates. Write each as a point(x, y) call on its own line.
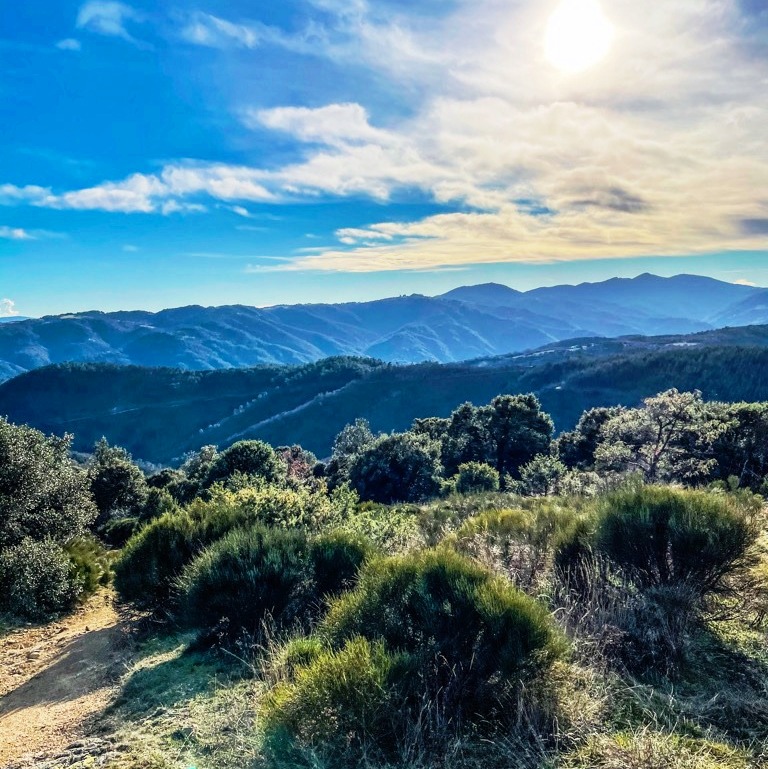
point(108, 17)
point(69, 44)
point(8, 308)
point(744, 282)
point(15, 233)
point(660, 149)
point(212, 31)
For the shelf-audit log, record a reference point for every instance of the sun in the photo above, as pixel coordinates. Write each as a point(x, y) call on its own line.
point(578, 35)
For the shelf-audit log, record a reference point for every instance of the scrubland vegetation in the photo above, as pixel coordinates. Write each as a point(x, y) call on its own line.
point(473, 592)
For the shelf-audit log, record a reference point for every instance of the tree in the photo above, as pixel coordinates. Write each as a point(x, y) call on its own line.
point(541, 476)
point(465, 438)
point(43, 494)
point(577, 448)
point(252, 458)
point(669, 438)
point(118, 486)
point(518, 430)
point(476, 477)
point(349, 443)
point(401, 467)
point(741, 449)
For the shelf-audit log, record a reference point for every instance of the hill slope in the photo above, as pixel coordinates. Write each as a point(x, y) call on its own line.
point(159, 414)
point(468, 322)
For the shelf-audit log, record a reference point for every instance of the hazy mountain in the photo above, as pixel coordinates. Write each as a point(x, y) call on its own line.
point(468, 322)
point(159, 413)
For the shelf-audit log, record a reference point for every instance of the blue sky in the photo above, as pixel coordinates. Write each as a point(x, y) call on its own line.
point(155, 154)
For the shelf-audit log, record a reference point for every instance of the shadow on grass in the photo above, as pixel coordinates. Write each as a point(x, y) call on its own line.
point(717, 687)
point(170, 673)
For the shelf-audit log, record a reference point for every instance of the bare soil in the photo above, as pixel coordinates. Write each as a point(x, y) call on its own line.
point(55, 678)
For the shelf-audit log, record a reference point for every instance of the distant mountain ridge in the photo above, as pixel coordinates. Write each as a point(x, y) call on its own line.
point(465, 323)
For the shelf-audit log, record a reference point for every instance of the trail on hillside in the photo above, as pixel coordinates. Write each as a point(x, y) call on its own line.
point(55, 678)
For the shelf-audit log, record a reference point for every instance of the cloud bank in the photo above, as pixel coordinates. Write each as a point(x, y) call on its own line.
point(659, 149)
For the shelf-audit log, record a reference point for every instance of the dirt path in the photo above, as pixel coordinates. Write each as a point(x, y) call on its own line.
point(54, 679)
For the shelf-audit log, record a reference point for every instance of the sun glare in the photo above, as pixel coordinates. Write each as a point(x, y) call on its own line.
point(578, 35)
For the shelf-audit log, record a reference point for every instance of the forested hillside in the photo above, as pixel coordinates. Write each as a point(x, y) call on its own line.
point(160, 414)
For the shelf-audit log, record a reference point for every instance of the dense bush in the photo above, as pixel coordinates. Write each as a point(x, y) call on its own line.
point(244, 576)
point(91, 564)
point(476, 477)
point(397, 468)
point(157, 554)
point(118, 486)
point(254, 458)
point(518, 543)
point(467, 629)
point(37, 579)
point(255, 572)
point(338, 703)
point(662, 535)
point(43, 495)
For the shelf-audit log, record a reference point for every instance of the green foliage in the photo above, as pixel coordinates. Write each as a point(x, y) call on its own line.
point(506, 434)
point(252, 458)
point(476, 477)
point(336, 558)
point(334, 705)
point(43, 495)
point(542, 475)
point(577, 448)
point(158, 502)
point(662, 535)
point(151, 559)
point(465, 629)
point(91, 564)
point(391, 529)
point(669, 439)
point(118, 486)
point(255, 572)
point(158, 553)
point(244, 576)
point(397, 468)
point(37, 579)
point(118, 531)
point(517, 543)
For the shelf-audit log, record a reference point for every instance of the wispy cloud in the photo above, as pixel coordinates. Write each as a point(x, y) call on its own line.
point(69, 44)
point(15, 233)
point(8, 308)
point(108, 17)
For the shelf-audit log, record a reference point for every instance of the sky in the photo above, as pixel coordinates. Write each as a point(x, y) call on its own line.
point(158, 154)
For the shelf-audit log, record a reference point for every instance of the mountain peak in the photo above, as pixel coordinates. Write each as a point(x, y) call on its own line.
point(490, 294)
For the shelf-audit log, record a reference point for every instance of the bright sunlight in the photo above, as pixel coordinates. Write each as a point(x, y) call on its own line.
point(578, 35)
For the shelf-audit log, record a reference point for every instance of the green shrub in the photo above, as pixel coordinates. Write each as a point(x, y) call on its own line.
point(665, 536)
point(255, 572)
point(37, 579)
point(244, 576)
point(476, 477)
point(154, 557)
point(336, 559)
point(518, 543)
point(254, 458)
point(468, 630)
point(157, 554)
point(91, 564)
point(117, 531)
point(335, 705)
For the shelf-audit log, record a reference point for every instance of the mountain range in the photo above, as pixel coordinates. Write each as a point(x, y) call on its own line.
point(465, 323)
point(161, 413)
